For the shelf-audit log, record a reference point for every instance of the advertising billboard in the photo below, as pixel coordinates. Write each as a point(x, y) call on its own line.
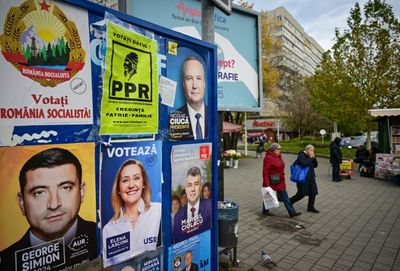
point(237, 38)
point(96, 110)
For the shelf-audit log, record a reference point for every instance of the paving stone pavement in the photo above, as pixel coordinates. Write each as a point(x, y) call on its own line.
point(358, 227)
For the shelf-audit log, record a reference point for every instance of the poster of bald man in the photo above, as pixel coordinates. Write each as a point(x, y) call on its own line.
point(191, 255)
point(188, 117)
point(49, 199)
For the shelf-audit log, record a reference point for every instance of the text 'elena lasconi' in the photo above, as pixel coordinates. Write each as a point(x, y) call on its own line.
point(132, 151)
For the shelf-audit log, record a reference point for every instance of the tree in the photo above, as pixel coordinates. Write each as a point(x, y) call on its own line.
point(245, 4)
point(362, 71)
point(296, 103)
point(269, 48)
point(270, 75)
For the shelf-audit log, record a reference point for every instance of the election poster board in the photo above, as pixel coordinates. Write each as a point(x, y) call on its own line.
point(151, 261)
point(190, 173)
point(51, 222)
point(45, 66)
point(130, 199)
point(53, 90)
point(193, 252)
point(187, 76)
point(130, 85)
point(239, 47)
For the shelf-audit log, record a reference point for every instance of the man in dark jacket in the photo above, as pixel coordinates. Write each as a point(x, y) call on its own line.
point(50, 197)
point(195, 216)
point(336, 159)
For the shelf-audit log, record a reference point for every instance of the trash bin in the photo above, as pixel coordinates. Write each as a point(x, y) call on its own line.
point(228, 214)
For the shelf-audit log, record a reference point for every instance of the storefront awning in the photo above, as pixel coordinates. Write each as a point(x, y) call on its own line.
point(387, 112)
point(255, 134)
point(229, 127)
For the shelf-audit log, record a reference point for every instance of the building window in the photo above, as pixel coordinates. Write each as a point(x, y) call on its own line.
point(279, 18)
point(278, 28)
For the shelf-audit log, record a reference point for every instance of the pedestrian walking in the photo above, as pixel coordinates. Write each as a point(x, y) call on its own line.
point(260, 149)
point(309, 188)
point(336, 159)
point(274, 177)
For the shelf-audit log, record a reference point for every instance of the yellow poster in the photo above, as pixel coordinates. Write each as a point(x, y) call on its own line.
point(48, 206)
point(130, 85)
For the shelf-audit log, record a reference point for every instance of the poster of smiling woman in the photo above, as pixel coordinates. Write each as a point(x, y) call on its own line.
point(130, 199)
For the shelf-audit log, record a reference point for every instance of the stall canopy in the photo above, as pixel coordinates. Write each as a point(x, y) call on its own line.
point(387, 112)
point(385, 117)
point(229, 127)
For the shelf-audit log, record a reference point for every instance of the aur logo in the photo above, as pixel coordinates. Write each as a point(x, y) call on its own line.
point(78, 243)
point(41, 43)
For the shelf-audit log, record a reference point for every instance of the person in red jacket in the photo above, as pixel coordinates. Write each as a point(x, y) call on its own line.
point(274, 177)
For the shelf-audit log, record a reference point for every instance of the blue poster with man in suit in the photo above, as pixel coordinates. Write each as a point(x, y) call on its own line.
point(188, 117)
point(191, 214)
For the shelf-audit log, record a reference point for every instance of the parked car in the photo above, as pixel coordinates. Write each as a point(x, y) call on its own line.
point(356, 141)
point(345, 141)
point(359, 139)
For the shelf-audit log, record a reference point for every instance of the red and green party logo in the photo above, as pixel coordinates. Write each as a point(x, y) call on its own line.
point(40, 42)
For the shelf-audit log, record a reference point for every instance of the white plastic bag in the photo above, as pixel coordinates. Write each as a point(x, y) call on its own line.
point(269, 198)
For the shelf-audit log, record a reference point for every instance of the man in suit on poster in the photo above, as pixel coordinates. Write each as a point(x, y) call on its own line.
point(191, 120)
point(189, 265)
point(195, 216)
point(51, 192)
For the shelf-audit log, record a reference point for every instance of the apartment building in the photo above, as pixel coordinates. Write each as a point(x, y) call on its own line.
point(108, 3)
point(300, 52)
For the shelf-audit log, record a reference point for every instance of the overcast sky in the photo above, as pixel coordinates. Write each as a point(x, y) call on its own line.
point(319, 18)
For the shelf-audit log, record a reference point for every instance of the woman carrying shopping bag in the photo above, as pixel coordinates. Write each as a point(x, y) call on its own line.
point(309, 188)
point(274, 177)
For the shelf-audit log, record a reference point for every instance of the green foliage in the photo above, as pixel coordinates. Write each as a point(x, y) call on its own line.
point(362, 71)
point(52, 54)
point(304, 119)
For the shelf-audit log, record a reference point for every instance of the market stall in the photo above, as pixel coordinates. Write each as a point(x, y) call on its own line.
point(387, 162)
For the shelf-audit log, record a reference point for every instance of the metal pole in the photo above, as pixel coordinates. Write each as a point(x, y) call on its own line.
point(122, 5)
point(207, 21)
point(334, 130)
point(245, 133)
point(277, 131)
point(207, 34)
